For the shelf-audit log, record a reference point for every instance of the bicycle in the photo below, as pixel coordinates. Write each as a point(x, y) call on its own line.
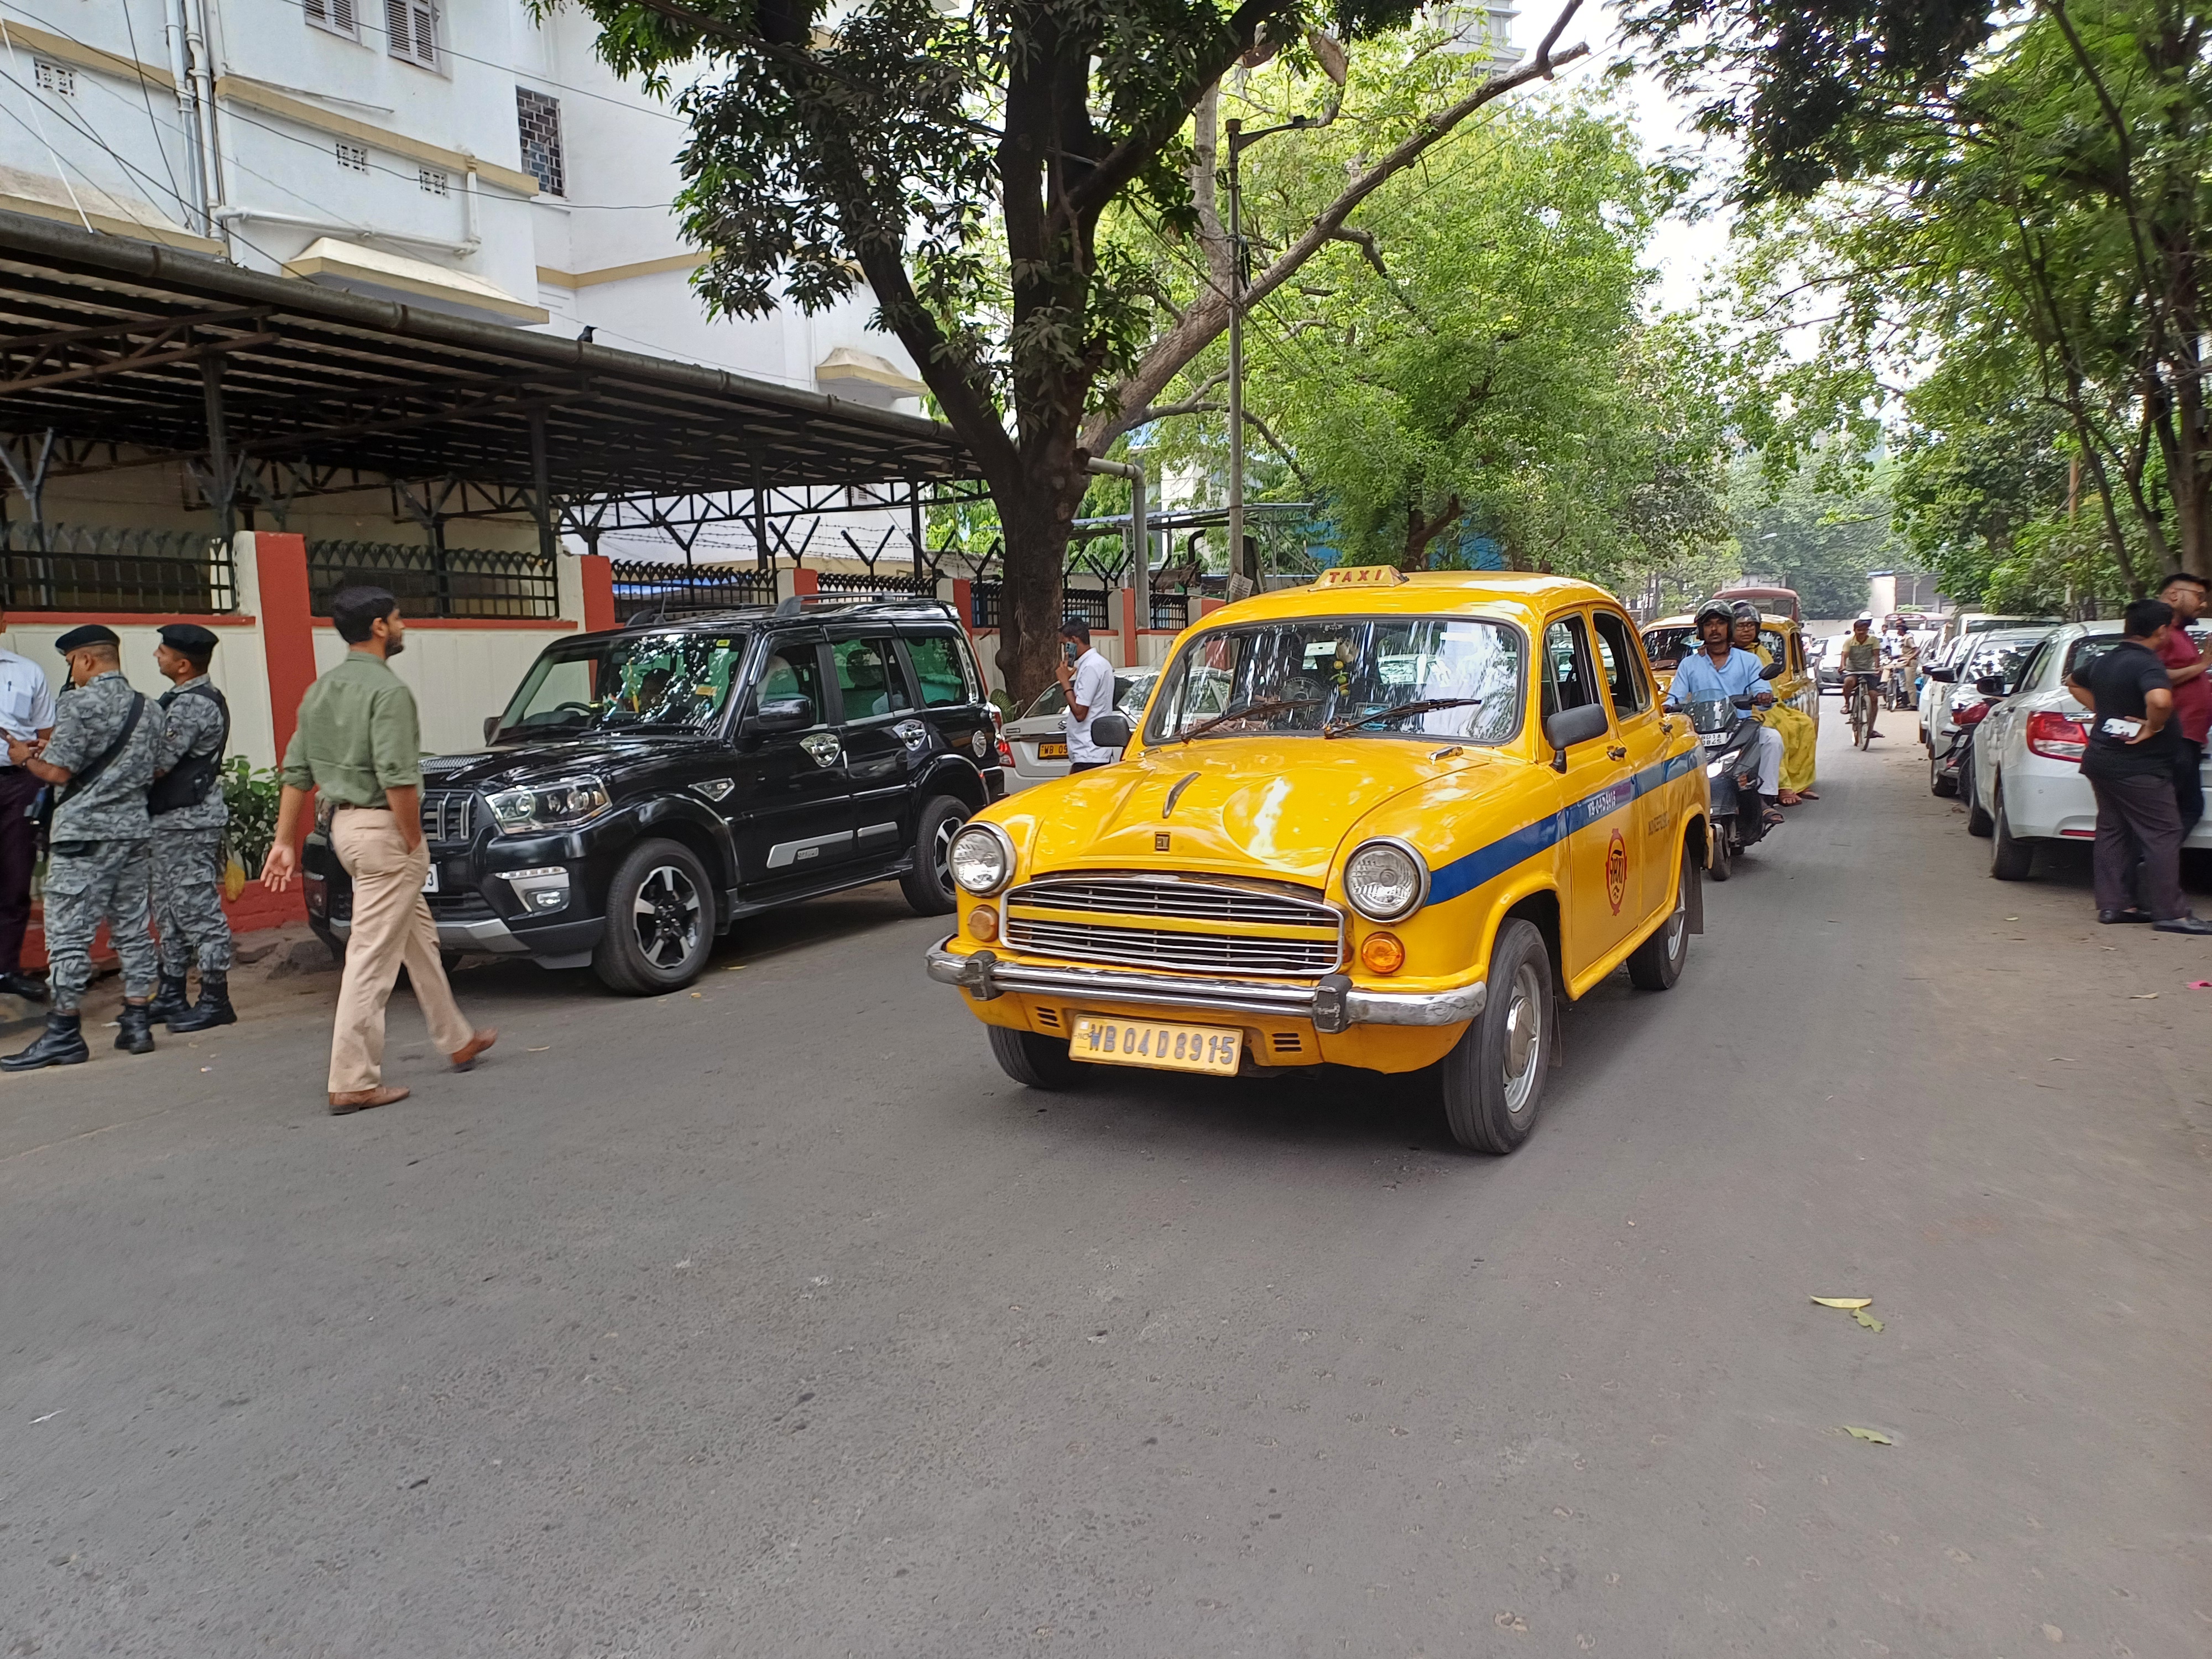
point(1858, 709)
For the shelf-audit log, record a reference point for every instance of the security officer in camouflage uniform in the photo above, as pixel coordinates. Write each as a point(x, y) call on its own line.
point(101, 762)
point(189, 814)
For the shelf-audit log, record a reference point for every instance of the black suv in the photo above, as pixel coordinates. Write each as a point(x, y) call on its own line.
point(645, 787)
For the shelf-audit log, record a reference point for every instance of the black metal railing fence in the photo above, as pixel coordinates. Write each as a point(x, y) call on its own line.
point(64, 567)
point(435, 581)
point(646, 591)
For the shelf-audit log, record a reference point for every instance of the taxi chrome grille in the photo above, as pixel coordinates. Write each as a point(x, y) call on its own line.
point(1115, 920)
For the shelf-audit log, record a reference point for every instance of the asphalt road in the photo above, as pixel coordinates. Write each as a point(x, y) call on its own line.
point(772, 1321)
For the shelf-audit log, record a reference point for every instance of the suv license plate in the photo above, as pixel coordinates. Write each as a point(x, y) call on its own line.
point(1148, 1042)
point(430, 880)
point(1052, 751)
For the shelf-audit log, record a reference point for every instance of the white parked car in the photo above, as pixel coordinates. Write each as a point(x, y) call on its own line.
point(2026, 784)
point(1999, 654)
point(1038, 735)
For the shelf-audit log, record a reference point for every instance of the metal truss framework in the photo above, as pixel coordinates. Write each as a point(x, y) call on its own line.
point(268, 391)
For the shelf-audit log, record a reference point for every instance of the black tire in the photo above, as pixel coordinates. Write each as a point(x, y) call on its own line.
point(1034, 1061)
point(1723, 864)
point(660, 921)
point(1493, 1078)
point(1657, 963)
point(1938, 783)
point(2009, 860)
point(928, 885)
point(1978, 823)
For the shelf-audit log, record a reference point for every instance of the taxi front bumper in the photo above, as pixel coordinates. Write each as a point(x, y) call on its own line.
point(1334, 1003)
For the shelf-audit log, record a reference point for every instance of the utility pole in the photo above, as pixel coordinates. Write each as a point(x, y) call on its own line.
point(1239, 141)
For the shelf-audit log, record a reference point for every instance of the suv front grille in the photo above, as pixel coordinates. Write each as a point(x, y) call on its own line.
point(448, 814)
point(1116, 919)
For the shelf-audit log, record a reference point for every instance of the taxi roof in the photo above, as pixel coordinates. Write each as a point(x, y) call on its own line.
point(1524, 594)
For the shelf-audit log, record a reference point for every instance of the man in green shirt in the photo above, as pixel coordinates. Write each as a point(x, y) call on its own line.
point(358, 744)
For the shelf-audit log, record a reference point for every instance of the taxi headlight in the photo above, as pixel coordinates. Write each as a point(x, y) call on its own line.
point(1386, 880)
point(980, 859)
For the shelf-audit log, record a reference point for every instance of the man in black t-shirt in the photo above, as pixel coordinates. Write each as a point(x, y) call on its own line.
point(2129, 765)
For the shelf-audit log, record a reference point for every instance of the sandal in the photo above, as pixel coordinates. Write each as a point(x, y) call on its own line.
point(1771, 819)
point(1789, 798)
point(1807, 794)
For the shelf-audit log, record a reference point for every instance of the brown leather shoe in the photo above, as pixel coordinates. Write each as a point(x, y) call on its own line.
point(362, 1100)
point(466, 1056)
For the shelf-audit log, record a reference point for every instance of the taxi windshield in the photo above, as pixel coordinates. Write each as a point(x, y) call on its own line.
point(629, 681)
point(1354, 677)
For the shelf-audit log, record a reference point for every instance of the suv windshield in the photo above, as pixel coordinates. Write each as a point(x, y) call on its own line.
point(629, 681)
point(1320, 673)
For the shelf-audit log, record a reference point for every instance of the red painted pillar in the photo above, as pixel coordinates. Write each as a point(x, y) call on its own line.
point(287, 631)
point(803, 580)
point(963, 602)
point(598, 575)
point(1130, 624)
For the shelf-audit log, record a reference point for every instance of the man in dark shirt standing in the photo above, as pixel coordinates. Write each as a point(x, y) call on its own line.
point(2192, 695)
point(2129, 765)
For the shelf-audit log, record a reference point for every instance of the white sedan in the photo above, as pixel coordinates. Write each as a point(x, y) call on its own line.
point(1999, 654)
point(1038, 736)
point(2026, 786)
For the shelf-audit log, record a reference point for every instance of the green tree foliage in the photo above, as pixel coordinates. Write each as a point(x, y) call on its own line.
point(963, 161)
point(1474, 360)
point(1811, 536)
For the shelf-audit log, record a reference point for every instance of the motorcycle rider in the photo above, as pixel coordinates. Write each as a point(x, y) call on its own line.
point(1799, 734)
point(1863, 666)
point(1720, 672)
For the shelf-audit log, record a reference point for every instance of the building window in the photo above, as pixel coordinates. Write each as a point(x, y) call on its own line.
point(58, 79)
point(352, 157)
point(335, 15)
point(434, 182)
point(539, 118)
point(410, 29)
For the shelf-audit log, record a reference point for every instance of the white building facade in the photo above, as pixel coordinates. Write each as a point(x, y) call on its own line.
point(465, 158)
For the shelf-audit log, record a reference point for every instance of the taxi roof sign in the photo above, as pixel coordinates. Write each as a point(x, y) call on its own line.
point(1362, 575)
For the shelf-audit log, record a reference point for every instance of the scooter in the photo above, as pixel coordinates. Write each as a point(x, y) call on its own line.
point(1728, 731)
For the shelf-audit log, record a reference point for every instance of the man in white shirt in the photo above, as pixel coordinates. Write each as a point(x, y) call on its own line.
point(27, 715)
point(1086, 680)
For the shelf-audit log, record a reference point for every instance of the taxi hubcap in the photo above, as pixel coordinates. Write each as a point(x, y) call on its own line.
point(1678, 925)
point(1524, 1017)
point(667, 913)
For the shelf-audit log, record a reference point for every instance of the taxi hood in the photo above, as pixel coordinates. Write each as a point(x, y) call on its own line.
point(1269, 806)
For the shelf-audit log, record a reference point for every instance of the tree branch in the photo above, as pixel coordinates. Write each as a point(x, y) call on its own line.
point(1282, 449)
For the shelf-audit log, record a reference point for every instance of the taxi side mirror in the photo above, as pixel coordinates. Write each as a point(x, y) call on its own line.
point(1570, 727)
point(1110, 731)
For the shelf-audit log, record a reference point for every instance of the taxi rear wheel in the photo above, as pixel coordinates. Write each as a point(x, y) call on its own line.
point(1657, 963)
point(1036, 1062)
point(1493, 1079)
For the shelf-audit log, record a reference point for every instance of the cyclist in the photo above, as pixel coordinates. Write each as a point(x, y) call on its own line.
point(1719, 672)
point(1862, 668)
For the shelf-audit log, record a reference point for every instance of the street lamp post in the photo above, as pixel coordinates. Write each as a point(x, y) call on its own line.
point(1239, 141)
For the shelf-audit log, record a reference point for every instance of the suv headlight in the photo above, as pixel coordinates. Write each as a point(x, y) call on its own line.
point(1386, 880)
point(982, 858)
point(558, 806)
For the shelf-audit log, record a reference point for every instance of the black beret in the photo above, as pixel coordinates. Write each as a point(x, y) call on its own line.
point(91, 633)
point(189, 637)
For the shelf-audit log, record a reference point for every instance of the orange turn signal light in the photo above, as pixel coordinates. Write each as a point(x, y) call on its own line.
point(1382, 953)
point(983, 923)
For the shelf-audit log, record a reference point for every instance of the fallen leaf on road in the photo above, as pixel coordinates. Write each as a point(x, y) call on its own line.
point(1866, 1319)
point(695, 995)
point(2012, 918)
point(2147, 996)
point(51, 1415)
point(1511, 1621)
point(1844, 1301)
point(1874, 1436)
point(537, 1051)
point(737, 968)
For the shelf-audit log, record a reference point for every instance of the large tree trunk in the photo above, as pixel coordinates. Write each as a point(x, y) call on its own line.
point(1036, 511)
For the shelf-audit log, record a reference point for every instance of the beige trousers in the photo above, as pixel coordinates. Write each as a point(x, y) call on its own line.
point(391, 925)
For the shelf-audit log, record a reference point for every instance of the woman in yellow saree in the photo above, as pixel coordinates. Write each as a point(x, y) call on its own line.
point(1798, 732)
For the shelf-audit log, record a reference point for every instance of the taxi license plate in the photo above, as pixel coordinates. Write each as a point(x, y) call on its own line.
point(1052, 751)
point(1149, 1042)
point(430, 880)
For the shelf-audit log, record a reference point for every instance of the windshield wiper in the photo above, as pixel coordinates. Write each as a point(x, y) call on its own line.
point(1273, 706)
point(1338, 728)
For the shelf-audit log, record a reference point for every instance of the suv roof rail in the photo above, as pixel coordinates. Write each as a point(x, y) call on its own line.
point(798, 604)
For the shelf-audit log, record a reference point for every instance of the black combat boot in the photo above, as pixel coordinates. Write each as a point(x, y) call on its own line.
point(22, 985)
point(60, 1044)
point(212, 1009)
point(170, 998)
point(134, 1029)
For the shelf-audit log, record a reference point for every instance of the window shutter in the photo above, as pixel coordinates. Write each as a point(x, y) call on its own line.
point(315, 12)
point(426, 33)
point(398, 37)
point(342, 16)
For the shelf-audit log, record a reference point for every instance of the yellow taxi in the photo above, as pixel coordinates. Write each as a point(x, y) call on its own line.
point(1384, 821)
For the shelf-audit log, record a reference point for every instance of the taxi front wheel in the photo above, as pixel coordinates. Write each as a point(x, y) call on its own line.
point(1037, 1062)
point(1493, 1078)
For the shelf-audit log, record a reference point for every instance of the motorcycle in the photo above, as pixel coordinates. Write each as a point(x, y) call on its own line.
point(1950, 768)
point(1728, 730)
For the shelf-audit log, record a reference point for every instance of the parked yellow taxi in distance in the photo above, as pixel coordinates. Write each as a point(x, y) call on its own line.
point(1383, 821)
point(1797, 687)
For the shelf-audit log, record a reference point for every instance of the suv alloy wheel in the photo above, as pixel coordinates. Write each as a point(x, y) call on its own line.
point(660, 920)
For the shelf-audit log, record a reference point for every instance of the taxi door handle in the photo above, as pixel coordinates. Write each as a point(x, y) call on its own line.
point(1616, 753)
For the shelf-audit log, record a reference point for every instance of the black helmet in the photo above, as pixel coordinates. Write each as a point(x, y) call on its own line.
point(1714, 610)
point(1744, 610)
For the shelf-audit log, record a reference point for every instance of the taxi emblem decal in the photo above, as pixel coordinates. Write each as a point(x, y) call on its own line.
point(1159, 840)
point(1616, 871)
